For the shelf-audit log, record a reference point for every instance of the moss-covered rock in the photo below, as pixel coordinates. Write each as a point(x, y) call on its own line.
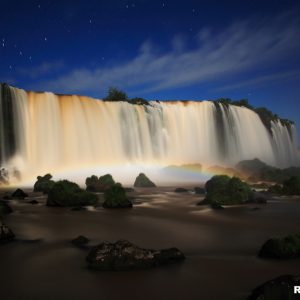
point(116, 197)
point(67, 193)
point(101, 184)
point(281, 248)
point(124, 255)
point(280, 288)
point(143, 181)
point(43, 184)
point(224, 190)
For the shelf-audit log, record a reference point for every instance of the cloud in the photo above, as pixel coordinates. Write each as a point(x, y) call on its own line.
point(244, 47)
point(43, 69)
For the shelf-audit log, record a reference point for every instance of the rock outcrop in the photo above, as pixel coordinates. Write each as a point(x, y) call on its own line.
point(124, 255)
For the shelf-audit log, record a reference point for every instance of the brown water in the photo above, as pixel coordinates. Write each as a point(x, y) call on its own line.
point(220, 249)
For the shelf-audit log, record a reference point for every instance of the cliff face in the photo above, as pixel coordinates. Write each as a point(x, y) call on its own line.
point(41, 132)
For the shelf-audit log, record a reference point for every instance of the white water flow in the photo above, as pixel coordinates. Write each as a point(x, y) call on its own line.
point(70, 133)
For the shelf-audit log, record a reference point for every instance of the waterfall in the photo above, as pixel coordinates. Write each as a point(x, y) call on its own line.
point(44, 132)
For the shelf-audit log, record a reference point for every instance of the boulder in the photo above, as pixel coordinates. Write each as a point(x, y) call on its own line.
point(43, 184)
point(281, 248)
point(180, 190)
point(143, 181)
point(124, 255)
point(101, 184)
point(225, 190)
point(280, 288)
point(6, 235)
point(116, 197)
point(19, 194)
point(80, 241)
point(67, 193)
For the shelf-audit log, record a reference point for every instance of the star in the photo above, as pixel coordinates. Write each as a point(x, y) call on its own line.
point(10, 66)
point(21, 53)
point(163, 5)
point(90, 21)
point(30, 57)
point(39, 6)
point(127, 6)
point(46, 39)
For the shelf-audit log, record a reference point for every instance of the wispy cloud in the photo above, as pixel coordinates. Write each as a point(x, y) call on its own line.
point(242, 47)
point(43, 69)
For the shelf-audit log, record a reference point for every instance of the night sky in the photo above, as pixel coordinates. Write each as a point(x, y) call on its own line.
point(156, 49)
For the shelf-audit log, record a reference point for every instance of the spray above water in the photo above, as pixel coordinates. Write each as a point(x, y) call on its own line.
point(44, 132)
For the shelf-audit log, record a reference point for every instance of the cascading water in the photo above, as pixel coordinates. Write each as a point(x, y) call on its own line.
point(44, 132)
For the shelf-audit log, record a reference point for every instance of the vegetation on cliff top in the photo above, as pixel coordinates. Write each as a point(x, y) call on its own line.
point(265, 114)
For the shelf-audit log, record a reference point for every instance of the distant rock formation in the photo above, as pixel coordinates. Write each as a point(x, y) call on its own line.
point(143, 181)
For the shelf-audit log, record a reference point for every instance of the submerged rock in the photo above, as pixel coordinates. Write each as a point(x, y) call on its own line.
point(6, 234)
point(281, 248)
point(180, 190)
point(80, 241)
point(216, 205)
point(124, 255)
point(280, 288)
point(19, 194)
point(143, 181)
point(33, 202)
point(116, 197)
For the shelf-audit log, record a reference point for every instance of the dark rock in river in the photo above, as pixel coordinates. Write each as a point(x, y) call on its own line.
point(43, 184)
point(180, 190)
point(80, 241)
point(6, 235)
point(116, 197)
point(33, 202)
point(124, 255)
point(199, 190)
point(280, 288)
point(67, 193)
point(281, 248)
point(227, 191)
point(5, 208)
point(101, 184)
point(19, 194)
point(143, 181)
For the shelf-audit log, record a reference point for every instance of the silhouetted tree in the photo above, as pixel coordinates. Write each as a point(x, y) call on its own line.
point(115, 94)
